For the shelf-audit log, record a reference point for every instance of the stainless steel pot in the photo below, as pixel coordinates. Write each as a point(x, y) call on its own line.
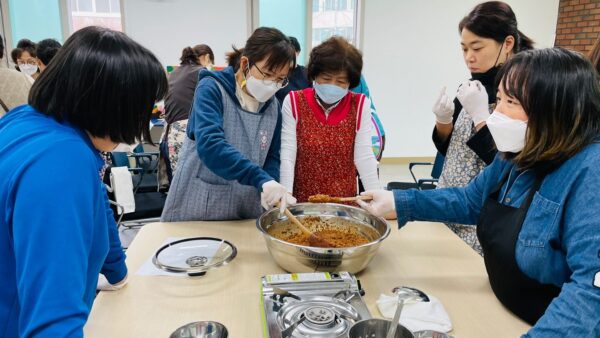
point(299, 258)
point(201, 330)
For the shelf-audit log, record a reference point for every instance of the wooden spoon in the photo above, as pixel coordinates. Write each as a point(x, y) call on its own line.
point(313, 239)
point(329, 199)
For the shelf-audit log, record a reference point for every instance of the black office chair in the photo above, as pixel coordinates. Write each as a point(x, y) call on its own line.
point(422, 183)
point(149, 201)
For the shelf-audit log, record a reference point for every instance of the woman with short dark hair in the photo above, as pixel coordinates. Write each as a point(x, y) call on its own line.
point(229, 163)
point(298, 78)
point(489, 37)
point(326, 136)
point(536, 206)
point(46, 50)
point(27, 60)
point(58, 232)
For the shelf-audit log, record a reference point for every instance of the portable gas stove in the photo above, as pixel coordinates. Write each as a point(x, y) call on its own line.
point(311, 305)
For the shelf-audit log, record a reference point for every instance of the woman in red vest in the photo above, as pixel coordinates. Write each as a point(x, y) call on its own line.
point(326, 135)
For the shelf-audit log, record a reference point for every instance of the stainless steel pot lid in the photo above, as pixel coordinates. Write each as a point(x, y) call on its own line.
point(194, 256)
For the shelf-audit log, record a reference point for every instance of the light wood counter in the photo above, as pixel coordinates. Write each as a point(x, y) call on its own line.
point(427, 256)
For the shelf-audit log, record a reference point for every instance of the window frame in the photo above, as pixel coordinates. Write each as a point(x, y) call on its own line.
point(253, 15)
point(67, 17)
point(6, 31)
point(357, 25)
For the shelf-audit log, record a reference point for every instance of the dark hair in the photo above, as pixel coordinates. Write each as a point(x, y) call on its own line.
point(495, 20)
point(103, 82)
point(1, 47)
point(190, 55)
point(15, 54)
point(560, 92)
point(28, 46)
point(203, 50)
point(334, 55)
point(295, 43)
point(265, 42)
point(595, 55)
point(47, 49)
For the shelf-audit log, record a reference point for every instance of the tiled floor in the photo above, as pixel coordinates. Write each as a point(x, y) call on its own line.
point(387, 173)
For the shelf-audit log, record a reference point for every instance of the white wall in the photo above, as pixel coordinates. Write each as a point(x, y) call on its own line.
point(167, 26)
point(412, 48)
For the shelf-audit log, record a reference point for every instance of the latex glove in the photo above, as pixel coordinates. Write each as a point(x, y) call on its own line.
point(474, 99)
point(382, 204)
point(443, 108)
point(104, 285)
point(273, 193)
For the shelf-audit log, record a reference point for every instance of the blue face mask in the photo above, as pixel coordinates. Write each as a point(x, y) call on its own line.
point(329, 93)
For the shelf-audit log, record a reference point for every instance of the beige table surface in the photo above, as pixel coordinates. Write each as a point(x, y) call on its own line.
point(424, 255)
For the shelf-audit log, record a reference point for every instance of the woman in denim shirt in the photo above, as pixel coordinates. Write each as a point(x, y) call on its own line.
point(536, 207)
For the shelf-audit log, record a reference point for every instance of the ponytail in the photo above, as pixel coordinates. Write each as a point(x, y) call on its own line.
point(234, 57)
point(189, 56)
point(523, 42)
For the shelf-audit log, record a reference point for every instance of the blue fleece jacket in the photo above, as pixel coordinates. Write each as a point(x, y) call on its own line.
point(205, 126)
point(57, 231)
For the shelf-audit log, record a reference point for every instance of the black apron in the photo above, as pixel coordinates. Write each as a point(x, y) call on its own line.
point(498, 231)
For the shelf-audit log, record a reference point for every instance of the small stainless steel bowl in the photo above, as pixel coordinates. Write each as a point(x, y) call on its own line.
point(201, 330)
point(376, 327)
point(299, 258)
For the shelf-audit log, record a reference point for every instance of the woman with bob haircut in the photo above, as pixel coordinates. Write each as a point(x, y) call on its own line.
point(57, 232)
point(536, 205)
point(229, 162)
point(326, 135)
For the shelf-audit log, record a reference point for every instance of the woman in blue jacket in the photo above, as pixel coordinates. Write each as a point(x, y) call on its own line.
point(229, 162)
point(536, 206)
point(57, 232)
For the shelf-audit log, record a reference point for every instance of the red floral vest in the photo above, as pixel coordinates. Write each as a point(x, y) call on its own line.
point(325, 155)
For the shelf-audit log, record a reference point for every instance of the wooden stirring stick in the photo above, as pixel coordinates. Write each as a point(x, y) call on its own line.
point(313, 239)
point(329, 199)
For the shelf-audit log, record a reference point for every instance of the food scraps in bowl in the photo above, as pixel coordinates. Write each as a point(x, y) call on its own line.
point(341, 233)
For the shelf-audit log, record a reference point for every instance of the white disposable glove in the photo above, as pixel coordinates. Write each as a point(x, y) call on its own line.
point(443, 108)
point(273, 193)
point(382, 203)
point(474, 99)
point(104, 285)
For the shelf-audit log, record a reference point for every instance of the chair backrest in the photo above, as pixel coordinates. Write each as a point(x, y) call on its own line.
point(438, 165)
point(119, 159)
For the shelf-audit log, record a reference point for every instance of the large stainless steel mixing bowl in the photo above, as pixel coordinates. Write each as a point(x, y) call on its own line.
point(299, 258)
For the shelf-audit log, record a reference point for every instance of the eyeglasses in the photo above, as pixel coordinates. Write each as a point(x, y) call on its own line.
point(282, 83)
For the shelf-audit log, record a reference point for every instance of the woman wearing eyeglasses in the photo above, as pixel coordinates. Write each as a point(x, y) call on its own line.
point(326, 135)
point(229, 162)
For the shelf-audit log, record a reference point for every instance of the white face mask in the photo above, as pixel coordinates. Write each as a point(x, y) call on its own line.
point(125, 148)
point(28, 69)
point(509, 134)
point(329, 93)
point(262, 90)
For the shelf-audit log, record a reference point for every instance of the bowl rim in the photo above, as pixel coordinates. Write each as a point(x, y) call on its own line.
point(372, 243)
point(221, 327)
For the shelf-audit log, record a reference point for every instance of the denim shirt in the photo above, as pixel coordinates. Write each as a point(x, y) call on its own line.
point(559, 242)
